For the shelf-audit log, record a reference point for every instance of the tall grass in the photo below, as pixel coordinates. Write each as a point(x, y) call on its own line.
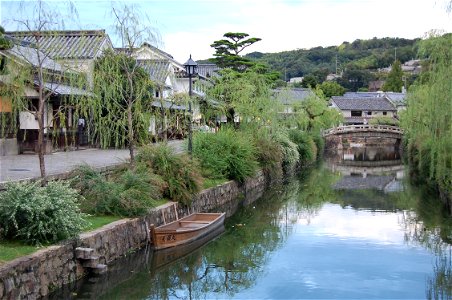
point(182, 176)
point(226, 154)
point(128, 193)
point(305, 145)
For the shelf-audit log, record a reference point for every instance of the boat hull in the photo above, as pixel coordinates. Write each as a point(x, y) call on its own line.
point(186, 230)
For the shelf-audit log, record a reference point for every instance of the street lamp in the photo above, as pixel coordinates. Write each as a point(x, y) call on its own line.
point(191, 67)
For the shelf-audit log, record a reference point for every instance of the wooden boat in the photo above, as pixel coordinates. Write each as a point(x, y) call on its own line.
point(166, 256)
point(185, 230)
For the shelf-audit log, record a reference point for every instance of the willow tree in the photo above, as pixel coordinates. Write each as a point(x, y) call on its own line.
point(246, 95)
point(120, 88)
point(427, 124)
point(31, 65)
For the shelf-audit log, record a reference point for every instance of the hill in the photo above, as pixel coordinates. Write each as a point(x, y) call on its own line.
point(361, 54)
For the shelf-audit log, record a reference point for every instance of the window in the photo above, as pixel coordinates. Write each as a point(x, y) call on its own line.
point(369, 113)
point(157, 94)
point(357, 113)
point(385, 113)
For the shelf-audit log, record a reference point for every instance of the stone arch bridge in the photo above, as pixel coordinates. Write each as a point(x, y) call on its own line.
point(335, 135)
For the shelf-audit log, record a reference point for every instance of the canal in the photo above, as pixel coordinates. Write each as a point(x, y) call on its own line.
point(351, 227)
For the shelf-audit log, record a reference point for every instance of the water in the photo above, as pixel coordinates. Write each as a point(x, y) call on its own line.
point(351, 228)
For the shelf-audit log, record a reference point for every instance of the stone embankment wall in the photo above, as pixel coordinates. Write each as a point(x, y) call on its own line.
point(36, 275)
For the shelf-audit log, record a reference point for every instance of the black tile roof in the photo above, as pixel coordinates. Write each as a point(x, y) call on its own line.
point(66, 44)
point(158, 69)
point(364, 103)
point(292, 95)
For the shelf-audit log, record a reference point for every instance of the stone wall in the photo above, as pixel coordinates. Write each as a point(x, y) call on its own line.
point(36, 275)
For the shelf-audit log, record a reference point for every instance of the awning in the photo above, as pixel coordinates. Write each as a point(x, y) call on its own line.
point(62, 89)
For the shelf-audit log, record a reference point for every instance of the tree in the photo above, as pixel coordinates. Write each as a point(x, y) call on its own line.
point(427, 121)
point(37, 67)
point(121, 85)
point(117, 107)
point(227, 51)
point(394, 82)
point(331, 88)
point(245, 94)
point(309, 81)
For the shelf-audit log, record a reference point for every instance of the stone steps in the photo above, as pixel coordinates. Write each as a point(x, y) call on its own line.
point(90, 261)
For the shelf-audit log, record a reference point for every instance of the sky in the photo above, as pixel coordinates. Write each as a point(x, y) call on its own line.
point(190, 26)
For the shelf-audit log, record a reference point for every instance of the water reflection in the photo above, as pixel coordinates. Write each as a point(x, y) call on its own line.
point(306, 239)
point(377, 168)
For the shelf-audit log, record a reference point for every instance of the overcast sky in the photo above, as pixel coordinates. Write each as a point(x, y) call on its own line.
point(189, 27)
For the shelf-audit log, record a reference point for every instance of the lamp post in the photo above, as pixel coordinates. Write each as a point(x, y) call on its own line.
point(191, 67)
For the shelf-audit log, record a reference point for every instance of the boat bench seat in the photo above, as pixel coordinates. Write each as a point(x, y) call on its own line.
point(199, 222)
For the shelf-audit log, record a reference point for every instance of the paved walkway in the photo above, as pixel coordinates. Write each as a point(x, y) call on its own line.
point(26, 166)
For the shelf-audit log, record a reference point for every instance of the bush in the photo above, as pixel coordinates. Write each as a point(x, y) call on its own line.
point(384, 120)
point(269, 155)
point(129, 193)
point(289, 150)
point(182, 175)
point(226, 154)
point(37, 215)
point(306, 146)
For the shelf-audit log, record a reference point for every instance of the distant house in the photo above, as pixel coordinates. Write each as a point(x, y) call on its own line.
point(397, 99)
point(290, 97)
point(74, 49)
point(359, 110)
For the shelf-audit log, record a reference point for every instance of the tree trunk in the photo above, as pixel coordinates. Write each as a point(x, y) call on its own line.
point(130, 132)
point(41, 148)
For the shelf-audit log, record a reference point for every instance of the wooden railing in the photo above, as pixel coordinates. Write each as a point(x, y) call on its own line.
point(363, 128)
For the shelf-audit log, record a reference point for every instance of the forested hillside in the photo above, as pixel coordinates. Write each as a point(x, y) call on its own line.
point(360, 54)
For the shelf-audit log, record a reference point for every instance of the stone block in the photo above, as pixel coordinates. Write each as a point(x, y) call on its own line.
point(83, 253)
point(100, 269)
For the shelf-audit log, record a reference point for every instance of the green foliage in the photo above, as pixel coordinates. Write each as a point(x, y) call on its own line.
point(269, 154)
point(10, 250)
point(246, 94)
point(36, 214)
point(309, 81)
point(361, 55)
point(331, 88)
point(394, 82)
point(181, 174)
point(128, 193)
point(289, 151)
point(384, 120)
point(226, 154)
point(4, 42)
point(227, 51)
point(305, 145)
point(120, 87)
point(427, 122)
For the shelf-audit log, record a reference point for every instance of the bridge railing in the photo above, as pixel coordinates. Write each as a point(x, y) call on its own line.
point(362, 128)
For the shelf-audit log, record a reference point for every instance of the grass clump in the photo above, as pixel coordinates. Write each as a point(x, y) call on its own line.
point(10, 250)
point(182, 176)
point(306, 146)
point(289, 152)
point(40, 215)
point(130, 192)
point(226, 154)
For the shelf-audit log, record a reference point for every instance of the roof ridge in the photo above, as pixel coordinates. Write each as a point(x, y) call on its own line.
point(99, 32)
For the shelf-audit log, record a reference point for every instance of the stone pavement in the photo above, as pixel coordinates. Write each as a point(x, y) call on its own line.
point(26, 166)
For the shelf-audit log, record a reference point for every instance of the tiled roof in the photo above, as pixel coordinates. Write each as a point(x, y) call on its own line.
point(364, 103)
point(158, 69)
point(30, 56)
point(292, 95)
point(397, 98)
point(208, 70)
point(66, 44)
point(363, 94)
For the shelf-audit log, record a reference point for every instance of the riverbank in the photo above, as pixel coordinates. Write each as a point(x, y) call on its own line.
point(36, 275)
